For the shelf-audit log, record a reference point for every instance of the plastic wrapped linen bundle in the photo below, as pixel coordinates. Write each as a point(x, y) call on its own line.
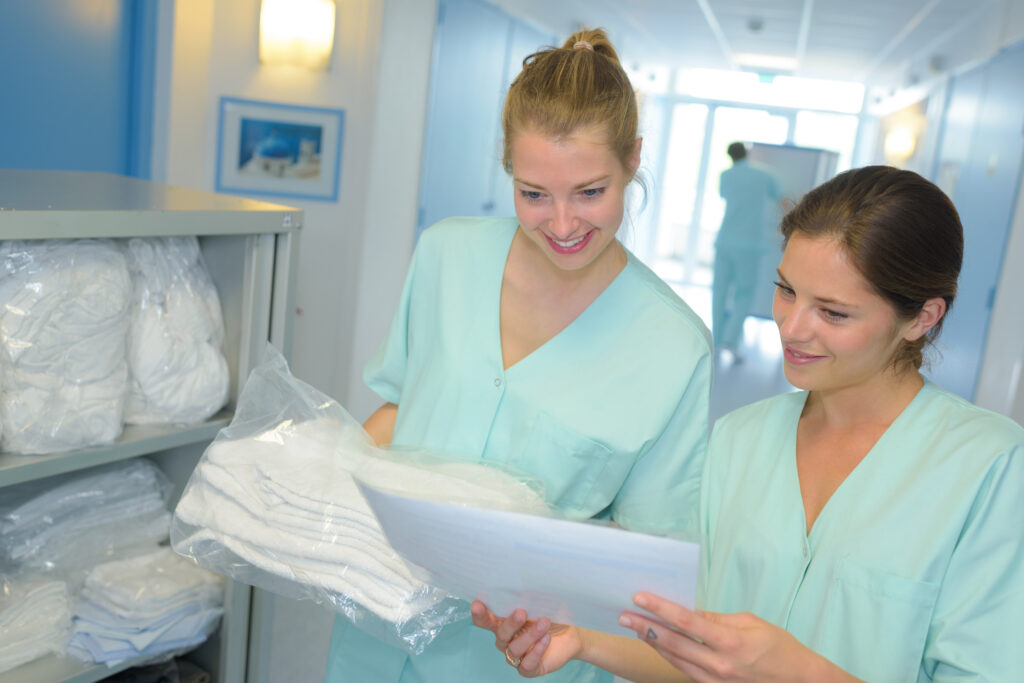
point(153, 604)
point(177, 368)
point(63, 333)
point(273, 503)
point(72, 521)
point(35, 620)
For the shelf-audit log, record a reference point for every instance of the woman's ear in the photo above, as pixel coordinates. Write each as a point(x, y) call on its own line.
point(927, 318)
point(634, 157)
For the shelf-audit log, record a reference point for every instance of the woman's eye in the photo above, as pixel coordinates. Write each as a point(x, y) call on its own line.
point(532, 195)
point(593, 192)
point(784, 290)
point(833, 316)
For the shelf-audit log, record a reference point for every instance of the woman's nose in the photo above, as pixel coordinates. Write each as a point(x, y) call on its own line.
point(563, 222)
point(792, 320)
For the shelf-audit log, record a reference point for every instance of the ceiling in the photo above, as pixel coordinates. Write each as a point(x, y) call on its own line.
point(885, 44)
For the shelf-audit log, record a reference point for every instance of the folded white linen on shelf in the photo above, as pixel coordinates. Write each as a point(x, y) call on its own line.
point(63, 336)
point(35, 618)
point(75, 520)
point(144, 605)
point(178, 373)
point(285, 501)
point(151, 584)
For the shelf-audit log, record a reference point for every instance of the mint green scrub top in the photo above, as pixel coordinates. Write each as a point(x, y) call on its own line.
point(611, 414)
point(914, 569)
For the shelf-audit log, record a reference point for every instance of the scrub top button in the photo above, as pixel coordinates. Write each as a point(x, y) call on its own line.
point(497, 381)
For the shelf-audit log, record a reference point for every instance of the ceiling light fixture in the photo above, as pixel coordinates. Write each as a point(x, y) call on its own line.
point(762, 62)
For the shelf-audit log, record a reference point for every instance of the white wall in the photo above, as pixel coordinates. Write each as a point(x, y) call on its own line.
point(352, 252)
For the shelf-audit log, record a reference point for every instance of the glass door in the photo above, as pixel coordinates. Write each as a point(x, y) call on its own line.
point(730, 124)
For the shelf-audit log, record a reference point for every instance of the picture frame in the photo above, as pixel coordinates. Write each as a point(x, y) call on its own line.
point(277, 149)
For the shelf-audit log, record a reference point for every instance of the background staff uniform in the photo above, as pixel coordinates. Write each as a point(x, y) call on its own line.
point(610, 414)
point(747, 231)
point(914, 569)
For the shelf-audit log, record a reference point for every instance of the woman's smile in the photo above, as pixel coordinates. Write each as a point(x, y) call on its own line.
point(570, 246)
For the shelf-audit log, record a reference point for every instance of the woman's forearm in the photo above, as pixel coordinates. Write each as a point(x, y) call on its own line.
point(627, 657)
point(381, 425)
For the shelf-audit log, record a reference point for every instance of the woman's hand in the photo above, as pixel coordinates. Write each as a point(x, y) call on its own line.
point(709, 646)
point(535, 648)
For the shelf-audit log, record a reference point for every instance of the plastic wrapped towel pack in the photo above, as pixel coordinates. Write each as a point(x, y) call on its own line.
point(70, 522)
point(178, 373)
point(63, 333)
point(35, 619)
point(273, 503)
point(149, 605)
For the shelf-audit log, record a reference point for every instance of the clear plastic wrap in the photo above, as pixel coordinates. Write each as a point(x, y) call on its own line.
point(63, 334)
point(72, 521)
point(150, 605)
point(178, 373)
point(35, 619)
point(273, 503)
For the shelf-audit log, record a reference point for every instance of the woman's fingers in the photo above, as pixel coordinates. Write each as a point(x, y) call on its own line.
point(679, 649)
point(510, 625)
point(529, 644)
point(693, 623)
point(483, 617)
point(531, 661)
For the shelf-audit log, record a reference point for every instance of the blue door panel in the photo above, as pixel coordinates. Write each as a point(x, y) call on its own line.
point(460, 149)
point(984, 135)
point(71, 83)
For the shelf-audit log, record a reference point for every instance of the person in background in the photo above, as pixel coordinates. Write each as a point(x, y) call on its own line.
point(539, 342)
point(750, 195)
point(865, 528)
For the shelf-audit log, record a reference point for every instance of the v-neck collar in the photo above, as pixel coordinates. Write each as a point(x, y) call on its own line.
point(565, 331)
point(866, 464)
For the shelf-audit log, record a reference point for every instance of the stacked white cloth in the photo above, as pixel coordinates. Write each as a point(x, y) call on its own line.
point(35, 617)
point(145, 605)
point(63, 335)
point(178, 371)
point(75, 520)
point(285, 502)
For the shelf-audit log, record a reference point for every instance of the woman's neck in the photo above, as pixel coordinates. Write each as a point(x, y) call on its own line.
point(877, 401)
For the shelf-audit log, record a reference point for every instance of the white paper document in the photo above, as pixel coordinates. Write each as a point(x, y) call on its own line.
point(571, 572)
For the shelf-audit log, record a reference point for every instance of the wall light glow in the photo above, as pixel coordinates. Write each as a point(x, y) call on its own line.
point(297, 32)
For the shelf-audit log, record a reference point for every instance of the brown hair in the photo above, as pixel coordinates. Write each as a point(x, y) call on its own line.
point(562, 89)
point(899, 230)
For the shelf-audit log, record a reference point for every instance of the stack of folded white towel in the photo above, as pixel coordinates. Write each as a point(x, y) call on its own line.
point(35, 617)
point(285, 502)
point(63, 334)
point(149, 604)
point(178, 370)
point(95, 333)
point(74, 520)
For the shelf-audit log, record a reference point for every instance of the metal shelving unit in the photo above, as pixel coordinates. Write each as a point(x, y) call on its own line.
point(250, 248)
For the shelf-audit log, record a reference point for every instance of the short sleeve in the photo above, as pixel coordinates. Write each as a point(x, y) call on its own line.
point(662, 491)
point(981, 601)
point(385, 372)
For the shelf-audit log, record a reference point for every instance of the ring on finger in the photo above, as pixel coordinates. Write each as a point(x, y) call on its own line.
point(513, 661)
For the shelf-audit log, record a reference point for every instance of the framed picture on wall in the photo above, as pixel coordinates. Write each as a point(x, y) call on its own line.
point(283, 150)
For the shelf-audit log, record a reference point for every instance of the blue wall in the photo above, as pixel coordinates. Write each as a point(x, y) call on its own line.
point(982, 148)
point(77, 84)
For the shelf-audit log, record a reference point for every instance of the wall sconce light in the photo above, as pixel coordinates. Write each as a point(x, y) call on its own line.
point(297, 32)
point(900, 143)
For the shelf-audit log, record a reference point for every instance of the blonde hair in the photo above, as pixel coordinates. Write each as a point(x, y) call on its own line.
point(581, 84)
